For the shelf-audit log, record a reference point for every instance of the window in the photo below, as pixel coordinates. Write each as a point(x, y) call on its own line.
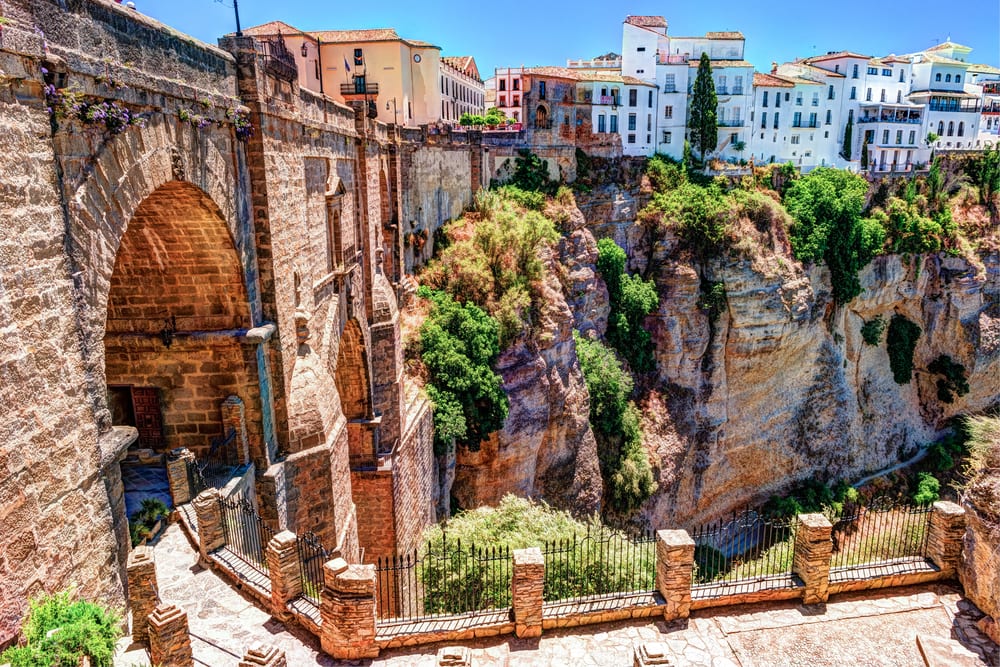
point(951, 127)
point(958, 78)
point(738, 86)
point(836, 68)
point(722, 84)
point(668, 137)
point(882, 99)
point(885, 136)
point(763, 99)
point(649, 123)
point(633, 97)
point(902, 74)
point(503, 84)
point(940, 131)
point(947, 78)
point(776, 120)
point(763, 120)
point(855, 74)
point(913, 137)
point(359, 59)
point(899, 136)
point(503, 100)
point(829, 92)
point(798, 99)
point(649, 101)
point(868, 95)
point(631, 138)
point(777, 100)
point(812, 120)
point(961, 129)
point(815, 100)
point(829, 116)
point(641, 49)
point(854, 92)
point(899, 97)
point(733, 137)
point(541, 90)
point(872, 70)
point(670, 84)
point(516, 101)
point(886, 72)
point(517, 84)
point(600, 123)
point(614, 123)
point(631, 122)
point(668, 111)
point(937, 77)
point(640, 71)
point(797, 119)
point(795, 138)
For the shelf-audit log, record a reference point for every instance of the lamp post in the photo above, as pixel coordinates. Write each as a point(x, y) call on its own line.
point(394, 111)
point(236, 9)
point(319, 57)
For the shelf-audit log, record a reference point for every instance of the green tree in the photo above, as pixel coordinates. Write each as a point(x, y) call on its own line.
point(703, 124)
point(60, 631)
point(900, 342)
point(826, 205)
point(984, 172)
point(459, 343)
point(864, 155)
point(532, 173)
point(632, 298)
point(495, 117)
point(845, 150)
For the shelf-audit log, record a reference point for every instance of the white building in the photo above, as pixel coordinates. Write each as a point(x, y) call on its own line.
point(507, 84)
point(462, 89)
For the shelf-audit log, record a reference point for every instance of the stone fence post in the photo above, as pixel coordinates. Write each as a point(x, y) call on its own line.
point(945, 535)
point(282, 554)
point(178, 478)
point(210, 532)
point(140, 571)
point(527, 585)
point(264, 655)
point(347, 610)
point(169, 641)
point(811, 559)
point(674, 565)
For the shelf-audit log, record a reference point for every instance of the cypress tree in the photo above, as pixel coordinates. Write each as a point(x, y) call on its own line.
point(845, 151)
point(864, 155)
point(703, 124)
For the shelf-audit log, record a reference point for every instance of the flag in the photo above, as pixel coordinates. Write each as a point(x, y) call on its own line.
point(346, 66)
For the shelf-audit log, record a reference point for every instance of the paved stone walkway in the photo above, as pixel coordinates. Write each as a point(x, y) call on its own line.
point(876, 628)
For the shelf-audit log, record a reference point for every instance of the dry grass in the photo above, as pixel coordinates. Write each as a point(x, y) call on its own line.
point(983, 468)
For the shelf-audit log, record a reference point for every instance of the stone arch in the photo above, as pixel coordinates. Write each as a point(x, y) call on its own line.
point(352, 375)
point(541, 117)
point(176, 308)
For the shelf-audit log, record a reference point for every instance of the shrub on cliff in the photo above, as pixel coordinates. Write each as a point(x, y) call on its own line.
point(900, 342)
point(952, 381)
point(625, 468)
point(631, 299)
point(59, 631)
point(532, 173)
point(826, 204)
point(459, 343)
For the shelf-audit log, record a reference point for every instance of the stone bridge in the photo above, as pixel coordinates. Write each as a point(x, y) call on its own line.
point(189, 242)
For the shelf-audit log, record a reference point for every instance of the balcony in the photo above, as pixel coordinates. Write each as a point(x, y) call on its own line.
point(359, 87)
point(731, 122)
point(278, 60)
point(721, 90)
point(609, 99)
point(737, 90)
point(670, 89)
point(955, 107)
point(809, 124)
point(991, 108)
point(667, 59)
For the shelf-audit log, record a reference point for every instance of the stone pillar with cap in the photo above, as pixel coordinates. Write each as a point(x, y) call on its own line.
point(177, 475)
point(169, 639)
point(674, 565)
point(143, 594)
point(527, 588)
point(811, 558)
point(454, 656)
point(264, 655)
point(285, 570)
point(945, 534)
point(347, 610)
point(211, 535)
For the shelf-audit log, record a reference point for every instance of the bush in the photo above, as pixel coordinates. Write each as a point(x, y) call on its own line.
point(60, 631)
point(713, 298)
point(459, 345)
point(665, 174)
point(531, 200)
point(871, 331)
point(954, 381)
point(928, 489)
point(532, 173)
point(632, 298)
point(900, 343)
point(142, 521)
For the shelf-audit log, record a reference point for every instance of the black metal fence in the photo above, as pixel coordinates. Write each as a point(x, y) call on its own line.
point(445, 578)
point(245, 532)
point(744, 553)
point(885, 537)
point(601, 563)
point(312, 556)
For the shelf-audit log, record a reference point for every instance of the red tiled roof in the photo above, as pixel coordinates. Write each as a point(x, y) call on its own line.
point(586, 75)
point(725, 34)
point(771, 81)
point(464, 64)
point(647, 21)
point(271, 28)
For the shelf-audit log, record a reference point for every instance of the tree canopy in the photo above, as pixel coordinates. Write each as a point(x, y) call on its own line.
point(703, 122)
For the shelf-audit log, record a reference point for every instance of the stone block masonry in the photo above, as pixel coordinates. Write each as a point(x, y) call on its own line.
point(169, 638)
point(264, 655)
point(211, 535)
point(674, 565)
point(811, 562)
point(285, 570)
point(527, 591)
point(348, 611)
point(143, 593)
point(945, 534)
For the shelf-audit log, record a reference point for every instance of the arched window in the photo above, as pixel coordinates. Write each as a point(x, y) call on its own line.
point(947, 78)
point(937, 77)
point(961, 129)
point(899, 97)
point(940, 131)
point(951, 128)
point(542, 118)
point(958, 78)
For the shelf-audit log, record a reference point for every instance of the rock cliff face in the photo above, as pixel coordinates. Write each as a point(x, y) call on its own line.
point(546, 448)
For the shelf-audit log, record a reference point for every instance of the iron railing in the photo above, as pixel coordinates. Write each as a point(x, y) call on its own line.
point(278, 60)
point(312, 556)
point(359, 87)
point(245, 532)
point(601, 563)
point(444, 578)
point(885, 537)
point(742, 554)
point(223, 457)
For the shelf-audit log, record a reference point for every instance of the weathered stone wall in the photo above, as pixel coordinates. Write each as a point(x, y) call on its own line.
point(415, 488)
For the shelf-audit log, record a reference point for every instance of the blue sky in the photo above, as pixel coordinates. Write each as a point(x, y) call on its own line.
point(547, 33)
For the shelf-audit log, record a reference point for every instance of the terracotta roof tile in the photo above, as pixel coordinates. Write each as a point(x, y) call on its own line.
point(587, 75)
point(725, 34)
point(771, 81)
point(271, 28)
point(647, 21)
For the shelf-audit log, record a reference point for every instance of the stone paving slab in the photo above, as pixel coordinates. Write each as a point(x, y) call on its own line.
point(876, 628)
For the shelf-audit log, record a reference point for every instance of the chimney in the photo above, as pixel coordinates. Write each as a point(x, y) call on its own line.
point(774, 67)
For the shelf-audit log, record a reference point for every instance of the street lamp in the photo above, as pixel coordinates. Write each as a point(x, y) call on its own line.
point(394, 111)
point(319, 57)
